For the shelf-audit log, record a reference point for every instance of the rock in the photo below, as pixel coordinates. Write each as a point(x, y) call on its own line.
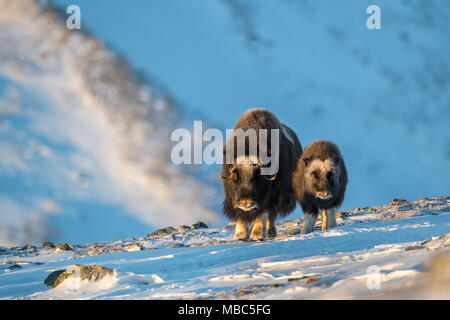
point(397, 201)
point(134, 247)
point(28, 247)
point(214, 242)
point(4, 250)
point(63, 246)
point(162, 232)
point(91, 273)
point(255, 289)
point(343, 214)
point(51, 278)
point(183, 228)
point(199, 225)
point(9, 266)
point(409, 248)
point(176, 245)
point(288, 233)
point(311, 281)
point(48, 244)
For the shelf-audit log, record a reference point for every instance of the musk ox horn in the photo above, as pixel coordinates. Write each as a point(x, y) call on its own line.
point(271, 178)
point(225, 178)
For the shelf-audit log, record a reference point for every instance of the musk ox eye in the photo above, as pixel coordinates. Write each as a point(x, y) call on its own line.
point(314, 175)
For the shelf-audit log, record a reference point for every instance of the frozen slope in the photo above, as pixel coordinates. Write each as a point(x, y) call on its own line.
point(398, 239)
point(85, 140)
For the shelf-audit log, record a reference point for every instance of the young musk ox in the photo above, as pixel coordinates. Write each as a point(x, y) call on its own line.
point(252, 196)
point(319, 182)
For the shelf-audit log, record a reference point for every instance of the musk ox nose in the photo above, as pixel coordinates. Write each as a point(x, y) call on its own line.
point(247, 205)
point(323, 195)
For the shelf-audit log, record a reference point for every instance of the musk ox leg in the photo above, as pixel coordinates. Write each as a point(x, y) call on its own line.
point(241, 230)
point(324, 219)
point(271, 226)
point(259, 231)
point(309, 222)
point(331, 218)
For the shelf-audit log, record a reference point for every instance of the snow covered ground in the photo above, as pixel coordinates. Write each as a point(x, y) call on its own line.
point(399, 250)
point(85, 143)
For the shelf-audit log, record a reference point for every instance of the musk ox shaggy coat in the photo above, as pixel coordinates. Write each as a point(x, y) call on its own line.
point(319, 182)
point(253, 198)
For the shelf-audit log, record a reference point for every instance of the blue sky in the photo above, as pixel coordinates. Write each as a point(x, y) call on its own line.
point(196, 51)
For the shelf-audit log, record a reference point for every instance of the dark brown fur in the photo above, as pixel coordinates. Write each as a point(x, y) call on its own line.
point(306, 186)
point(275, 197)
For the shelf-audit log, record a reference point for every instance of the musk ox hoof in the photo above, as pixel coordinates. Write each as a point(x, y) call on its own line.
point(257, 236)
point(241, 236)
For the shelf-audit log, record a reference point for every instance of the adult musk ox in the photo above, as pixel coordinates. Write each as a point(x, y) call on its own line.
point(260, 156)
point(319, 181)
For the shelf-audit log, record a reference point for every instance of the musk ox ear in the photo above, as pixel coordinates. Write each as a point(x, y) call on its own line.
point(307, 161)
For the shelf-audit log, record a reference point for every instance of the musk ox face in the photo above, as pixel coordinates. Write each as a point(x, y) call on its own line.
point(321, 177)
point(246, 188)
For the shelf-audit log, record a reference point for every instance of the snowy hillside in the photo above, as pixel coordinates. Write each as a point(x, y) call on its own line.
point(84, 141)
point(399, 250)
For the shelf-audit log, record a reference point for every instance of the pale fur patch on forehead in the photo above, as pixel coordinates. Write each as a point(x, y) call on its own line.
point(324, 166)
point(248, 160)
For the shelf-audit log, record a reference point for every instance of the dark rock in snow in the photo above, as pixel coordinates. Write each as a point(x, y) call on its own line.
point(9, 266)
point(176, 245)
point(50, 280)
point(91, 273)
point(397, 201)
point(48, 244)
point(63, 246)
point(183, 228)
point(162, 232)
point(414, 248)
point(29, 247)
point(199, 225)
